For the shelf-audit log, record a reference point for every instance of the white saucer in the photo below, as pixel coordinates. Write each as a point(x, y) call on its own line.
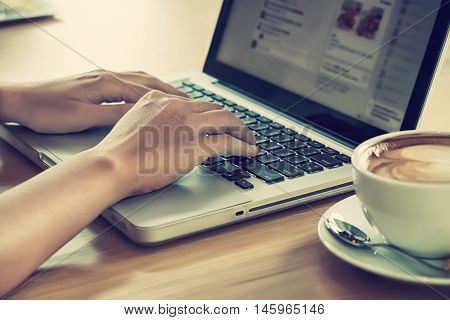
point(383, 263)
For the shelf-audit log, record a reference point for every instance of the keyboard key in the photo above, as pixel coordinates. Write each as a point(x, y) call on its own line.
point(267, 158)
point(244, 184)
point(288, 131)
point(196, 95)
point(276, 125)
point(308, 151)
point(213, 160)
point(302, 138)
point(282, 138)
point(197, 88)
point(283, 152)
point(221, 168)
point(264, 173)
point(258, 126)
point(296, 159)
point(236, 175)
point(311, 167)
point(240, 108)
point(286, 169)
point(218, 98)
point(329, 151)
point(217, 168)
point(261, 139)
point(208, 93)
point(186, 89)
point(248, 120)
point(261, 152)
point(270, 132)
point(252, 114)
point(316, 144)
point(294, 145)
point(263, 119)
point(188, 83)
point(344, 158)
point(236, 160)
point(231, 168)
point(327, 161)
point(269, 146)
point(240, 115)
point(206, 99)
point(231, 109)
point(229, 103)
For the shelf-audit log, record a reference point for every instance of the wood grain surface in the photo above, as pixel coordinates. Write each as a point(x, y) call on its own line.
point(275, 257)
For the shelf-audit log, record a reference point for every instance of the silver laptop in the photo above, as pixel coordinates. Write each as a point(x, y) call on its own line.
point(311, 78)
point(16, 10)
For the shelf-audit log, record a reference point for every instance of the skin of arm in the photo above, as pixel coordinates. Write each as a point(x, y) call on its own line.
point(164, 133)
point(42, 214)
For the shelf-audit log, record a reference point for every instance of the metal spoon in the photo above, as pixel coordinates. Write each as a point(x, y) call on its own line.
point(354, 236)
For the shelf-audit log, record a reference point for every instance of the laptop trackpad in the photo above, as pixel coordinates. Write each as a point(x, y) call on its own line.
point(195, 194)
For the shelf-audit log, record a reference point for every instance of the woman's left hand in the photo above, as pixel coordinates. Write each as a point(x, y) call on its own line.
point(74, 104)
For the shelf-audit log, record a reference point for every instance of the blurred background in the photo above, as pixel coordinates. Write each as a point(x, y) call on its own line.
point(161, 31)
point(165, 37)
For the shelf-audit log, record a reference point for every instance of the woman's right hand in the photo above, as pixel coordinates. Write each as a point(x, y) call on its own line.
point(163, 137)
point(159, 139)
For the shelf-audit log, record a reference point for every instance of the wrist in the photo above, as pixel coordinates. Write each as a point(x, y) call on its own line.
point(3, 104)
point(110, 170)
point(9, 103)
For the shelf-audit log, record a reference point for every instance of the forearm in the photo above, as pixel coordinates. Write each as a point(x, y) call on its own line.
point(2, 102)
point(10, 102)
point(40, 215)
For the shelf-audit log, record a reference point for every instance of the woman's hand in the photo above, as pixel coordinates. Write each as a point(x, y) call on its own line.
point(74, 104)
point(164, 136)
point(160, 139)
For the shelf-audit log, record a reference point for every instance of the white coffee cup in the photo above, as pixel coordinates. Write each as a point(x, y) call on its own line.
point(414, 216)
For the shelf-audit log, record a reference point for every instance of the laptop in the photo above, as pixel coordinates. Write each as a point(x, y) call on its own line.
point(16, 10)
point(311, 78)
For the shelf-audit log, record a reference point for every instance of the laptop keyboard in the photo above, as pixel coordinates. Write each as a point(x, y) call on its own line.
point(284, 153)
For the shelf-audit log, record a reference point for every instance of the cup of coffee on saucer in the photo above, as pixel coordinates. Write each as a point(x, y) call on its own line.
point(403, 182)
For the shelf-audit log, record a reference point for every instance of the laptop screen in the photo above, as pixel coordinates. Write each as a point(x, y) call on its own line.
point(350, 61)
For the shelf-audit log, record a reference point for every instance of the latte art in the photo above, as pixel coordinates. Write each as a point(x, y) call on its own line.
point(427, 162)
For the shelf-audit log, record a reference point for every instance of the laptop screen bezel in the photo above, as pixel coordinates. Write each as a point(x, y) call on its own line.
point(344, 128)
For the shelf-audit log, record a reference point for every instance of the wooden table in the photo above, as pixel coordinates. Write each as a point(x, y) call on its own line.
point(275, 257)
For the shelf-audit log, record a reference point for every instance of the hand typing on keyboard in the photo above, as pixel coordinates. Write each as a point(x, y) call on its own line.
point(284, 153)
point(74, 103)
point(164, 137)
point(159, 139)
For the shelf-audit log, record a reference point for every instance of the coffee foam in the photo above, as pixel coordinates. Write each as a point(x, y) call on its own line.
point(417, 158)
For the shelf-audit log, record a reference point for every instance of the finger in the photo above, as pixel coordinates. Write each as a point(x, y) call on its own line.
point(175, 97)
point(105, 115)
point(151, 82)
point(222, 121)
point(109, 88)
point(132, 92)
point(224, 144)
point(200, 107)
point(187, 104)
